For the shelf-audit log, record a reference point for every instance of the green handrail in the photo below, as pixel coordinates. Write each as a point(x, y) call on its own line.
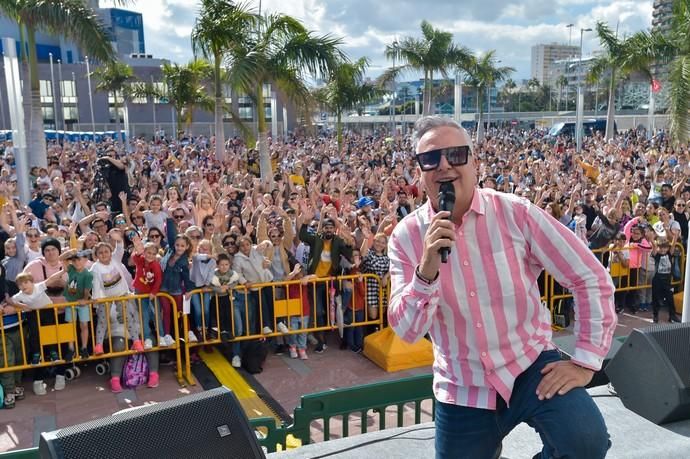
point(325, 405)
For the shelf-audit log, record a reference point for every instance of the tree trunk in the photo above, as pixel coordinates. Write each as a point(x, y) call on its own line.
point(339, 130)
point(36, 141)
point(611, 109)
point(262, 142)
point(220, 130)
point(430, 99)
point(120, 136)
point(480, 110)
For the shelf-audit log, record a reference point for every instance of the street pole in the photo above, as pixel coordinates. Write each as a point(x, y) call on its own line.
point(458, 98)
point(61, 95)
point(155, 131)
point(580, 98)
point(391, 110)
point(570, 33)
point(74, 82)
point(54, 92)
point(88, 80)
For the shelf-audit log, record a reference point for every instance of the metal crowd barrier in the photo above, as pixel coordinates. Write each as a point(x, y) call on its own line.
point(59, 333)
point(624, 278)
point(288, 299)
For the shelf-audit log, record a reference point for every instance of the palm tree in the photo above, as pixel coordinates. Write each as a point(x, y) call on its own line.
point(72, 19)
point(186, 90)
point(673, 49)
point(115, 78)
point(533, 84)
point(434, 52)
point(561, 82)
point(621, 57)
point(221, 24)
point(281, 52)
point(346, 90)
point(482, 73)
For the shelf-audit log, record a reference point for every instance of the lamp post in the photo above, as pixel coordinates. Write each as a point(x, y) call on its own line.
point(61, 95)
point(153, 99)
point(54, 93)
point(570, 33)
point(88, 80)
point(580, 98)
point(392, 106)
point(458, 98)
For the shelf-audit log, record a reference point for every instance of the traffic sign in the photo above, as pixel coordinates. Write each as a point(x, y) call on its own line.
point(163, 100)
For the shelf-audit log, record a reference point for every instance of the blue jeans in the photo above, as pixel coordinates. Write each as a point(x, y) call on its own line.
point(148, 316)
point(570, 425)
point(318, 297)
point(299, 340)
point(239, 319)
point(196, 310)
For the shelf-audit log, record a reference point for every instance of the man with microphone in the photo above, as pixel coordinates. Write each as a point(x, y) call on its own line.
point(494, 363)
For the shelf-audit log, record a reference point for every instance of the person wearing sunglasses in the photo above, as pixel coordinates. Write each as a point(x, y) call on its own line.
point(494, 361)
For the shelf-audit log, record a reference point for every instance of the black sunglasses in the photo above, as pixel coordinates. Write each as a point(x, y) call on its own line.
point(178, 217)
point(456, 156)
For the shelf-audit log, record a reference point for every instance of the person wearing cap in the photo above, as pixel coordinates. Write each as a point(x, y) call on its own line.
point(79, 282)
point(325, 252)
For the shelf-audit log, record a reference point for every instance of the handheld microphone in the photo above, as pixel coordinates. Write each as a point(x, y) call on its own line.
point(446, 202)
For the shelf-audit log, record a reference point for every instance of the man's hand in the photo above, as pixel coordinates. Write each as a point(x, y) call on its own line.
point(441, 233)
point(560, 377)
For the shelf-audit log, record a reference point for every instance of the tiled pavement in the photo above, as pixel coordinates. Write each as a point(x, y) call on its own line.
point(285, 379)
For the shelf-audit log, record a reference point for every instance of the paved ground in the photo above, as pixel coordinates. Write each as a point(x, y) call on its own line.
point(283, 378)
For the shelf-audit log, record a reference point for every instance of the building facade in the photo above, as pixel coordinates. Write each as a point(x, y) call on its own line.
point(544, 57)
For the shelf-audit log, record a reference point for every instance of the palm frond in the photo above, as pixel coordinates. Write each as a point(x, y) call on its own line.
point(680, 98)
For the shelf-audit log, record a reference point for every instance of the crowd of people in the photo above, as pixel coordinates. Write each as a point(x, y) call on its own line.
point(166, 216)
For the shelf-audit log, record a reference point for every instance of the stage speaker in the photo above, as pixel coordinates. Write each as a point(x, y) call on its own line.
point(210, 424)
point(651, 372)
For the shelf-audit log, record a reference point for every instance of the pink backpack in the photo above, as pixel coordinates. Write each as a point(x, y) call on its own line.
point(135, 371)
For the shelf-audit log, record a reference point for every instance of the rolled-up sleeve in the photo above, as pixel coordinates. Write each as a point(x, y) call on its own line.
point(574, 266)
point(413, 302)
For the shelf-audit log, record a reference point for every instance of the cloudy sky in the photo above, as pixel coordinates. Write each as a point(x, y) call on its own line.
point(510, 27)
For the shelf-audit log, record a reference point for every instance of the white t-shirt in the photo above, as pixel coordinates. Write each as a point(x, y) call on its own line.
point(36, 300)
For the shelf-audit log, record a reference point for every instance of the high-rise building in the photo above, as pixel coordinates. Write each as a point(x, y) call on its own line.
point(126, 29)
point(662, 16)
point(544, 57)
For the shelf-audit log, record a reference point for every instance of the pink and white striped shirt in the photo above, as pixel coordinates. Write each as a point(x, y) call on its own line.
point(484, 313)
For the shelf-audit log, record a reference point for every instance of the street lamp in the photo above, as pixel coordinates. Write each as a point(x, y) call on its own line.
point(570, 33)
point(153, 99)
point(88, 80)
point(53, 92)
point(580, 98)
point(59, 62)
point(392, 106)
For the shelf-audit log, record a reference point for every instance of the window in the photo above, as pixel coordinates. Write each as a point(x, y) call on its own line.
point(48, 116)
point(68, 91)
point(111, 98)
point(267, 110)
point(46, 92)
point(112, 114)
point(138, 88)
point(70, 114)
point(160, 88)
point(245, 108)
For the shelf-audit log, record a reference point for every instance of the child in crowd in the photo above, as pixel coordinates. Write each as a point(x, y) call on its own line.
point(375, 261)
point(662, 292)
point(619, 269)
point(203, 270)
point(176, 280)
point(154, 216)
point(33, 297)
point(110, 280)
point(298, 342)
point(79, 282)
point(147, 281)
point(224, 279)
point(15, 255)
point(10, 349)
point(354, 299)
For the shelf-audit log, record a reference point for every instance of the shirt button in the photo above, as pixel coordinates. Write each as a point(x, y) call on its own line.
point(488, 372)
point(472, 293)
point(459, 233)
point(483, 354)
point(466, 263)
point(479, 325)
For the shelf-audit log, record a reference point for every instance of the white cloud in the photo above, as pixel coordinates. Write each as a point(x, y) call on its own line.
point(510, 27)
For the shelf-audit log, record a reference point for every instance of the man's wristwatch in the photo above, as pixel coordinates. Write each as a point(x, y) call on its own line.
point(424, 279)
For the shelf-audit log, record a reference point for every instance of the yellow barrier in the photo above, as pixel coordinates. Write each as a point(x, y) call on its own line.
point(627, 279)
point(286, 301)
point(52, 330)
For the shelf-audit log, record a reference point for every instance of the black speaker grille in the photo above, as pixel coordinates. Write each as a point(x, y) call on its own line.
point(674, 339)
point(206, 425)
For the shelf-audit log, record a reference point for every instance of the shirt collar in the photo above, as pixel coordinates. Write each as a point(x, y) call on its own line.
point(477, 206)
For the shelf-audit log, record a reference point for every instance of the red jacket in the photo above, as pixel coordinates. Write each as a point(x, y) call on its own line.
point(148, 276)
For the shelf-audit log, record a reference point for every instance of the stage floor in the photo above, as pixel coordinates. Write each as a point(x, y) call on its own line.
point(632, 437)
